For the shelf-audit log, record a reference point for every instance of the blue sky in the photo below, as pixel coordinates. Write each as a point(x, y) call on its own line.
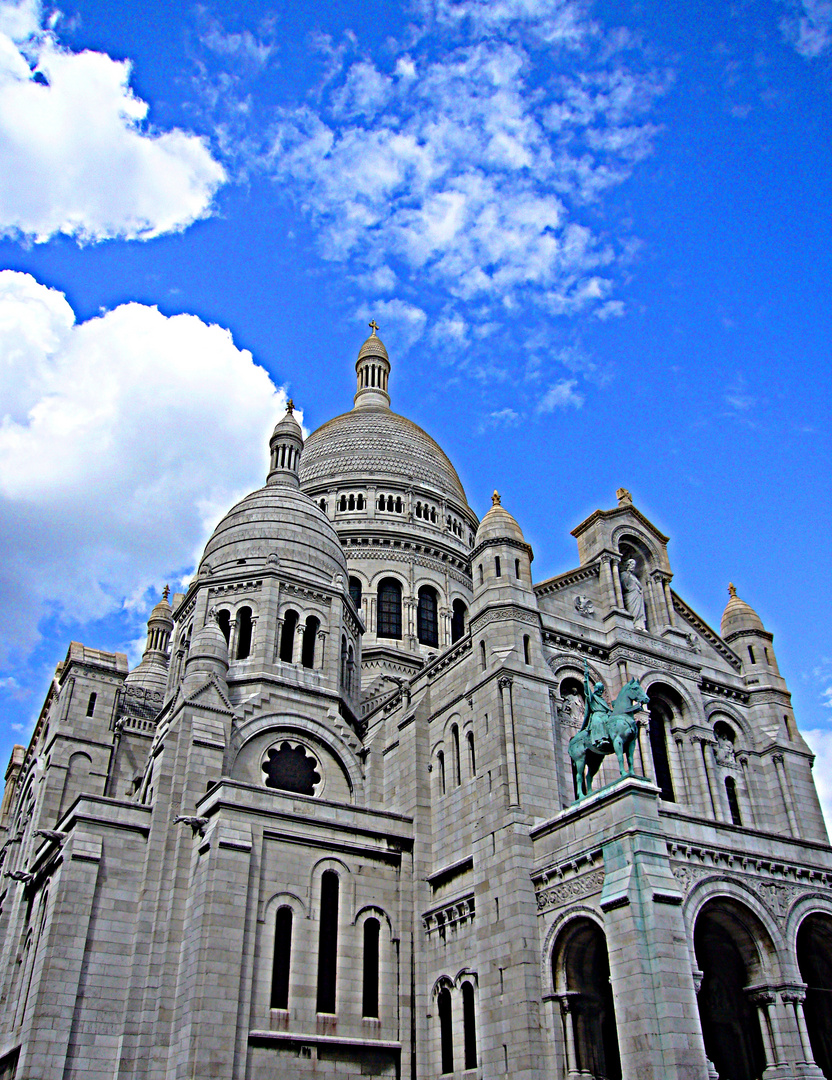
point(595, 237)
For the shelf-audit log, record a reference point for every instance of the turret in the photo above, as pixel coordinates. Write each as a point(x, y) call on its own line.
point(372, 369)
point(742, 629)
point(501, 558)
point(152, 672)
point(285, 447)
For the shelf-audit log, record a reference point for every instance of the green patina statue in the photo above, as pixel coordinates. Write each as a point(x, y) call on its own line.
point(606, 729)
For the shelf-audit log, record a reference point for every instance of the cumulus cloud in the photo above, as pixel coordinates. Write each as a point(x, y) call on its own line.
point(468, 159)
point(405, 322)
point(808, 27)
point(123, 440)
point(560, 396)
point(76, 153)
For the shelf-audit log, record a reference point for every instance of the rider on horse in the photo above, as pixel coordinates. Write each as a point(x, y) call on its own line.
point(596, 712)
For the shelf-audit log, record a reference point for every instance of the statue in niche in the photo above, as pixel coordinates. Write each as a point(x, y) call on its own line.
point(633, 594)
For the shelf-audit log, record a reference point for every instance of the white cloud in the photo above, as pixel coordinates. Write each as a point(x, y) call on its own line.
point(76, 154)
point(124, 440)
point(808, 27)
point(561, 395)
point(820, 742)
point(404, 322)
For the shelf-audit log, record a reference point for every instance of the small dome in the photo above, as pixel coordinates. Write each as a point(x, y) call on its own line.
point(738, 616)
point(277, 523)
point(498, 524)
point(373, 346)
point(288, 425)
point(208, 643)
point(162, 610)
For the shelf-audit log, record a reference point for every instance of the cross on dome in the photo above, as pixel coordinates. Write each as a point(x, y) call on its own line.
point(373, 326)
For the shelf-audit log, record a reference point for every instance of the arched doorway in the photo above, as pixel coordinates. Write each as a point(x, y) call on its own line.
point(814, 958)
point(581, 975)
point(726, 937)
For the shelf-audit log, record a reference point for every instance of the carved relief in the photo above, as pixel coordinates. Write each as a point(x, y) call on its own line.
point(561, 892)
point(584, 606)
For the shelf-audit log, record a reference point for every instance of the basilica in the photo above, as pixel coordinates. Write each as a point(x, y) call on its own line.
point(375, 802)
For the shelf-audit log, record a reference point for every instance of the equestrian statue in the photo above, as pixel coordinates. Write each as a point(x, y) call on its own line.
point(606, 729)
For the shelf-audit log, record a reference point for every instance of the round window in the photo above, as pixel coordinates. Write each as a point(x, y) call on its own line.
point(292, 767)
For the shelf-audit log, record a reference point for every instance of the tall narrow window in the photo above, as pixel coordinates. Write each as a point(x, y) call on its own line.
point(733, 802)
point(440, 761)
point(282, 958)
point(458, 620)
point(446, 1034)
point(427, 626)
point(480, 574)
point(355, 591)
point(369, 995)
point(483, 664)
point(328, 942)
point(287, 637)
point(517, 568)
point(224, 623)
point(455, 764)
point(91, 704)
point(526, 649)
point(469, 1026)
point(751, 654)
point(350, 668)
point(472, 760)
point(343, 661)
point(661, 717)
point(244, 629)
point(310, 633)
point(497, 569)
point(390, 609)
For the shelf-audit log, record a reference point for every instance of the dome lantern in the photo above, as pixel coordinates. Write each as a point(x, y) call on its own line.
point(372, 369)
point(285, 446)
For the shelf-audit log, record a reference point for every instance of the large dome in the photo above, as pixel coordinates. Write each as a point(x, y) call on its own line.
point(375, 443)
point(277, 520)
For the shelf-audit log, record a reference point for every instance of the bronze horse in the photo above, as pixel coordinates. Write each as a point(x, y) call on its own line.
point(620, 736)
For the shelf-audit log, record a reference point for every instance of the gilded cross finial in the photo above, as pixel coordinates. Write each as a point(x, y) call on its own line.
point(495, 498)
point(373, 326)
point(290, 406)
point(166, 592)
point(732, 589)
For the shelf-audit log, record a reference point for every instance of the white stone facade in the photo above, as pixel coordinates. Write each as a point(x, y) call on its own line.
point(328, 825)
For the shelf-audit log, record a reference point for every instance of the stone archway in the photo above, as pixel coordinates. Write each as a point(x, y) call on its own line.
point(726, 941)
point(814, 958)
point(581, 973)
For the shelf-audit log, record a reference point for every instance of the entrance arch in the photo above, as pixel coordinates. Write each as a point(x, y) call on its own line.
point(727, 940)
point(814, 958)
point(581, 975)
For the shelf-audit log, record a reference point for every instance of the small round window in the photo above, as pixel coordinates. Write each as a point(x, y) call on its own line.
point(292, 767)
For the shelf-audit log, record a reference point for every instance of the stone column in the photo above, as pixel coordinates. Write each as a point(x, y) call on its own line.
point(409, 629)
point(645, 750)
point(568, 1019)
point(668, 596)
point(232, 640)
point(658, 580)
point(253, 635)
point(783, 782)
point(444, 627)
point(679, 745)
point(297, 650)
point(321, 650)
point(371, 614)
point(749, 794)
point(511, 750)
point(616, 584)
point(699, 742)
point(277, 639)
point(795, 996)
point(762, 998)
point(607, 583)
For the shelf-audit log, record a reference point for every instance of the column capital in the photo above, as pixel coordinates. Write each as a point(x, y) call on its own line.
point(505, 681)
point(793, 992)
point(761, 995)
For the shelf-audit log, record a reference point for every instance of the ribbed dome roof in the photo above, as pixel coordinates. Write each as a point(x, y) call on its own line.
point(377, 444)
point(279, 520)
point(373, 346)
point(739, 616)
point(498, 524)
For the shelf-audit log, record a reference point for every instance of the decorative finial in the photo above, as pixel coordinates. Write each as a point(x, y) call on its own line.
point(495, 498)
point(624, 497)
point(732, 589)
point(373, 326)
point(290, 406)
point(166, 592)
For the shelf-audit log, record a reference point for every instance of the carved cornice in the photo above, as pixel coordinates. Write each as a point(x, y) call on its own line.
point(454, 915)
point(505, 613)
point(571, 577)
point(713, 639)
point(732, 693)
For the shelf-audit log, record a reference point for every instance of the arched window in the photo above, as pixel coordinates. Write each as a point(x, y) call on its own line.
point(661, 717)
point(456, 762)
point(472, 760)
point(440, 761)
point(418, 509)
point(433, 516)
point(497, 568)
point(527, 649)
point(224, 623)
point(390, 503)
point(310, 633)
point(355, 592)
point(390, 609)
point(446, 1032)
point(398, 505)
point(282, 958)
point(351, 503)
point(814, 958)
point(91, 704)
point(483, 663)
point(322, 505)
point(733, 803)
point(381, 502)
point(328, 942)
point(427, 626)
point(360, 502)
point(287, 637)
point(458, 620)
point(469, 1027)
point(343, 504)
point(369, 996)
point(343, 660)
point(480, 574)
point(244, 629)
point(350, 668)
